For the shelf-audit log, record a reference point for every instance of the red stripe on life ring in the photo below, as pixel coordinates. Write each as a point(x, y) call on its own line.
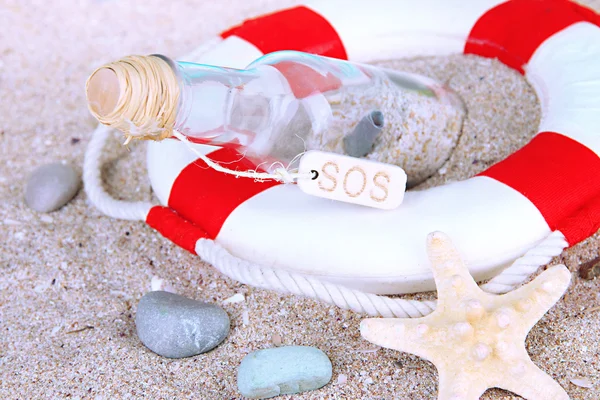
point(305, 81)
point(512, 31)
point(207, 197)
point(173, 227)
point(297, 28)
point(582, 224)
point(560, 177)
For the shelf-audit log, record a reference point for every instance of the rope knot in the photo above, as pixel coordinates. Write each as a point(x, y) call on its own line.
point(284, 175)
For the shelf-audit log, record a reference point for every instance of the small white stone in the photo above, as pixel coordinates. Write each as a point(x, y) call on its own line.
point(582, 382)
point(46, 218)
point(156, 283)
point(160, 284)
point(236, 298)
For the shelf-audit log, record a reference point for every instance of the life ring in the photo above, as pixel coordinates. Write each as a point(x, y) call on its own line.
point(550, 185)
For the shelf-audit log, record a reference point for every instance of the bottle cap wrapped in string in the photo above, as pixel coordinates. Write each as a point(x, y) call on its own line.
point(136, 95)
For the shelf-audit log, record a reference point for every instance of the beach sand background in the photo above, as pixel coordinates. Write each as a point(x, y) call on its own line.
point(75, 268)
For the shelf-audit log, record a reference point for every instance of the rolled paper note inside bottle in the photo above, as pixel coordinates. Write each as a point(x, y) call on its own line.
point(360, 142)
point(282, 105)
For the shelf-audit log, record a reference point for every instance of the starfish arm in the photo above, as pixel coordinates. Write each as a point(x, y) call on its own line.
point(530, 382)
point(396, 333)
point(459, 385)
point(533, 300)
point(452, 277)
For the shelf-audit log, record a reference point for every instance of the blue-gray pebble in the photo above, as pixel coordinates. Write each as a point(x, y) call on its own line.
point(51, 186)
point(283, 370)
point(174, 326)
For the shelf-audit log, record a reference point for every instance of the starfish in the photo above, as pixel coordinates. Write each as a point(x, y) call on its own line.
point(476, 339)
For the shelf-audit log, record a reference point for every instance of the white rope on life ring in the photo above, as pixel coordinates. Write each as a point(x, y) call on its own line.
point(525, 210)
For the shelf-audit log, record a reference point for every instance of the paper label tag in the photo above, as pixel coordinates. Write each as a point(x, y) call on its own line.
point(352, 180)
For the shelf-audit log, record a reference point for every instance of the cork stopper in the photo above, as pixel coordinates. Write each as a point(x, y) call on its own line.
point(103, 91)
point(137, 95)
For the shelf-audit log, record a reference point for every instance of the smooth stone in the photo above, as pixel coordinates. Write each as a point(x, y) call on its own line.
point(51, 186)
point(174, 326)
point(283, 370)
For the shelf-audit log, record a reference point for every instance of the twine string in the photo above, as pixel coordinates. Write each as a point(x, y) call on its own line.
point(281, 174)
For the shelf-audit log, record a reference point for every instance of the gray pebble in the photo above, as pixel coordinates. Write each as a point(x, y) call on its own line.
point(51, 186)
point(174, 326)
point(283, 370)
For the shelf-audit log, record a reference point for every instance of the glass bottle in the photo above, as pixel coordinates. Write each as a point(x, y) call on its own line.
point(288, 102)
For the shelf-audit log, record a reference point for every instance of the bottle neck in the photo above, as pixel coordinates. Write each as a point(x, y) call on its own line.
point(206, 96)
point(228, 107)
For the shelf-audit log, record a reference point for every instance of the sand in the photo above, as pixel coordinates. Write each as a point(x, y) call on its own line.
point(75, 268)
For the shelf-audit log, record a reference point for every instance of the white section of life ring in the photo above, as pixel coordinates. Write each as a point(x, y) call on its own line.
point(383, 252)
point(401, 30)
point(565, 74)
